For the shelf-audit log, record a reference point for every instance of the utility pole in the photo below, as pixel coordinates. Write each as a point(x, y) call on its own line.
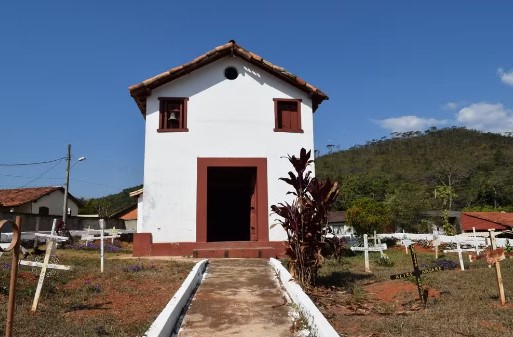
point(66, 186)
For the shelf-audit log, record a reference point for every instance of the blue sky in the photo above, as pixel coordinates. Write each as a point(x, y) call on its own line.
point(65, 68)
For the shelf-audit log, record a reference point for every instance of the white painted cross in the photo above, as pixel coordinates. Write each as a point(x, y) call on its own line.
point(87, 237)
point(458, 250)
point(406, 243)
point(102, 237)
point(436, 243)
point(476, 244)
point(114, 235)
point(51, 240)
point(377, 241)
point(366, 249)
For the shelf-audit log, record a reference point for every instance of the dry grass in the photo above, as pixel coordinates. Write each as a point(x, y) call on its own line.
point(123, 301)
point(466, 303)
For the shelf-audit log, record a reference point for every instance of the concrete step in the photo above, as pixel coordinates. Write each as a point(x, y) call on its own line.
point(239, 252)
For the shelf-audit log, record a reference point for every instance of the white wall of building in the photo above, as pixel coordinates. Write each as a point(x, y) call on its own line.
point(226, 119)
point(54, 201)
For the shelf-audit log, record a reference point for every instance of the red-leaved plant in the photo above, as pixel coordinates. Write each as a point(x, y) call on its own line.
point(306, 219)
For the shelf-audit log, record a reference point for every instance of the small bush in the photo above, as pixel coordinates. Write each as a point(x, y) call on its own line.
point(385, 261)
point(334, 248)
point(508, 248)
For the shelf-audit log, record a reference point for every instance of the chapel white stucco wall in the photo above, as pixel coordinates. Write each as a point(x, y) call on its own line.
point(226, 119)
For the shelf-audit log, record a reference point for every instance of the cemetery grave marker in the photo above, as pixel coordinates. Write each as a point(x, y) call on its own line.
point(87, 237)
point(500, 285)
point(436, 243)
point(102, 237)
point(460, 250)
point(51, 240)
point(417, 272)
point(377, 243)
point(14, 246)
point(406, 243)
point(366, 249)
point(113, 235)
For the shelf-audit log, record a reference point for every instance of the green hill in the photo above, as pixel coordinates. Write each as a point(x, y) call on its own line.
point(466, 168)
point(108, 205)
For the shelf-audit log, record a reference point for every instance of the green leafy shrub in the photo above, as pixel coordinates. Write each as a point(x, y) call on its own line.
point(385, 261)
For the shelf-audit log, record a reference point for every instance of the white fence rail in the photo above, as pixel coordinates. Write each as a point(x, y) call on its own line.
point(466, 238)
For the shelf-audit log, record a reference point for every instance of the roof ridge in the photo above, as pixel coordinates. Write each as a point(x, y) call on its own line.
point(142, 90)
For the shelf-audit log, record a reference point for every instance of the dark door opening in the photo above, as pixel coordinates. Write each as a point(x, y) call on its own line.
point(231, 203)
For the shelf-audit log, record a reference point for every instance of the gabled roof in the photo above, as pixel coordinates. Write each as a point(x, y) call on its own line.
point(483, 221)
point(126, 210)
point(336, 217)
point(142, 90)
point(20, 196)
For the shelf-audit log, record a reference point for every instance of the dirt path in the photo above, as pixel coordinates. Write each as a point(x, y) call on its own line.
point(238, 297)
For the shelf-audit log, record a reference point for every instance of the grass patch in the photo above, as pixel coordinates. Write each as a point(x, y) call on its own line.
point(462, 303)
point(122, 301)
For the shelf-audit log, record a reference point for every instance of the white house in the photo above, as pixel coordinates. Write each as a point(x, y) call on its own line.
point(217, 131)
point(36, 200)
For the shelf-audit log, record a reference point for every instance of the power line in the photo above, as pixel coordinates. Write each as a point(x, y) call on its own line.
point(17, 176)
point(36, 163)
point(42, 174)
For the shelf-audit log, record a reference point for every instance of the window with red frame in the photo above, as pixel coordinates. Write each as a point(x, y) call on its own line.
point(287, 115)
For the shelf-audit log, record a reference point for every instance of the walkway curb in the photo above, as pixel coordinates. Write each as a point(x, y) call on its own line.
point(165, 322)
point(316, 320)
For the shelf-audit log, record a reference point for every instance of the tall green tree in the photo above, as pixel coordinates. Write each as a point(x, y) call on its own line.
point(367, 215)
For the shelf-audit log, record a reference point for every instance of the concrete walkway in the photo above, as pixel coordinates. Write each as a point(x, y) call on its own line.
point(238, 297)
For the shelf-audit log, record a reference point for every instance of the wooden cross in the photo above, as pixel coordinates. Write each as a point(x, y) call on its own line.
point(113, 236)
point(87, 236)
point(51, 240)
point(458, 250)
point(14, 247)
point(102, 237)
point(377, 243)
point(366, 249)
point(417, 272)
point(502, 296)
point(436, 242)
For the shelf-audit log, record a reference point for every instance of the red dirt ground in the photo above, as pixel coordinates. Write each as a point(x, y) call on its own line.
point(376, 301)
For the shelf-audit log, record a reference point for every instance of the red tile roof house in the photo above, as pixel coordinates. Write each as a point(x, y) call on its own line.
point(337, 222)
point(217, 131)
point(36, 200)
point(482, 221)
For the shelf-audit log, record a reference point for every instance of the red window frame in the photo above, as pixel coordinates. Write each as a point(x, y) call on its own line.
point(177, 105)
point(287, 115)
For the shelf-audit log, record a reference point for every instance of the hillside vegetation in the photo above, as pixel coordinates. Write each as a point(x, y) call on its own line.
point(108, 205)
point(394, 181)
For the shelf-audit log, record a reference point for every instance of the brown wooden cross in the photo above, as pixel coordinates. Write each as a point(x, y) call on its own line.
point(14, 246)
point(417, 272)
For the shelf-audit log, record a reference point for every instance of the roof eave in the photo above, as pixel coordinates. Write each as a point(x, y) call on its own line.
point(141, 91)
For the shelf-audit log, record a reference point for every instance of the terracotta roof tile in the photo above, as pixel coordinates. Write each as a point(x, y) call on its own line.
point(483, 221)
point(337, 216)
point(20, 196)
point(142, 90)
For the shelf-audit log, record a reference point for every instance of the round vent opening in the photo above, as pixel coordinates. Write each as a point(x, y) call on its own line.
point(231, 73)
